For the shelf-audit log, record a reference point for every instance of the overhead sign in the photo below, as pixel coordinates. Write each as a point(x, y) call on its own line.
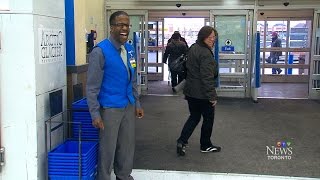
point(227, 46)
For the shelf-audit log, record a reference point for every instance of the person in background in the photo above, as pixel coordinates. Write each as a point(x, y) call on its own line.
point(175, 49)
point(274, 55)
point(113, 99)
point(181, 38)
point(200, 92)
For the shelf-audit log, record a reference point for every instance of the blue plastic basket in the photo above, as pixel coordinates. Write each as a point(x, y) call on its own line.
point(64, 159)
point(80, 104)
point(91, 176)
point(80, 114)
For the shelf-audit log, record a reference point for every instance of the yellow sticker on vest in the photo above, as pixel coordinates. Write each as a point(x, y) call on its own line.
point(133, 63)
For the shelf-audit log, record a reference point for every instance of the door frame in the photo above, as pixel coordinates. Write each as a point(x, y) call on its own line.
point(158, 49)
point(314, 82)
point(246, 76)
point(288, 16)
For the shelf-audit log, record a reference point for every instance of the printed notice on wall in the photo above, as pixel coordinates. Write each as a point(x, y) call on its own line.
point(4, 5)
point(51, 45)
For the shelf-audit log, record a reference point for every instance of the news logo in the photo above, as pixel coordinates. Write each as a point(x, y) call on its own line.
point(282, 150)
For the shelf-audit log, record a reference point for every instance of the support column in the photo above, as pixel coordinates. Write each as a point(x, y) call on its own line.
point(32, 68)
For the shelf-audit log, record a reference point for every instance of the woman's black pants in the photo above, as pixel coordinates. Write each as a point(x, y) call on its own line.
point(198, 107)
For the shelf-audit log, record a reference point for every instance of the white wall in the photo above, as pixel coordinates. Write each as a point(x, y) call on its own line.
point(18, 114)
point(25, 84)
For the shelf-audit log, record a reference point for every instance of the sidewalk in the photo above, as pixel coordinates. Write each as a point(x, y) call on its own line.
point(140, 174)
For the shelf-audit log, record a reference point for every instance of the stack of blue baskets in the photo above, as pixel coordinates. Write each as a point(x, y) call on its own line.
point(81, 115)
point(64, 161)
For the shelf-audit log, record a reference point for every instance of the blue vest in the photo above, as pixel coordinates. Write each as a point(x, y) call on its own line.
point(116, 87)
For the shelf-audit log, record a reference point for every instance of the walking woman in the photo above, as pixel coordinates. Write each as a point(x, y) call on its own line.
point(200, 92)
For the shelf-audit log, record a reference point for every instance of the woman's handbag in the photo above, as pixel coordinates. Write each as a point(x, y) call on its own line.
point(268, 60)
point(178, 65)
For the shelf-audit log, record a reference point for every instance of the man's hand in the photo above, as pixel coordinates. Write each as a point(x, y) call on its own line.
point(213, 103)
point(98, 123)
point(139, 113)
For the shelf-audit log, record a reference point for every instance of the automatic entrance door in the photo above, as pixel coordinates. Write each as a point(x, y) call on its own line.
point(314, 85)
point(233, 28)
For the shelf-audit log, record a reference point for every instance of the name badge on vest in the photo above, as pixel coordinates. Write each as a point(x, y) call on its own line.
point(133, 62)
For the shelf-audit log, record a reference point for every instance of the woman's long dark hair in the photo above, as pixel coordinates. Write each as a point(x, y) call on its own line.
point(205, 32)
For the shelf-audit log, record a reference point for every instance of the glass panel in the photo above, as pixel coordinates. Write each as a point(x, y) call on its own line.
point(232, 28)
point(267, 71)
point(278, 27)
point(278, 59)
point(298, 58)
point(159, 33)
point(274, 71)
point(154, 70)
point(297, 71)
point(317, 39)
point(188, 28)
point(228, 69)
point(300, 34)
point(261, 29)
point(316, 67)
point(152, 31)
point(135, 21)
point(152, 56)
point(316, 84)
point(262, 58)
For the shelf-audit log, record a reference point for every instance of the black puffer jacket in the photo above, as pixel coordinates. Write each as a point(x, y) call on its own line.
point(202, 71)
point(174, 50)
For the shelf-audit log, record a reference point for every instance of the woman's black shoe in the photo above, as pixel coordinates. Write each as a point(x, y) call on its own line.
point(210, 148)
point(181, 149)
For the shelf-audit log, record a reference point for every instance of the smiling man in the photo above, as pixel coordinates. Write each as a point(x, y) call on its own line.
point(113, 99)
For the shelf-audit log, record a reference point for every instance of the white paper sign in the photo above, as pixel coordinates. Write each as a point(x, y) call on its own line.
point(51, 45)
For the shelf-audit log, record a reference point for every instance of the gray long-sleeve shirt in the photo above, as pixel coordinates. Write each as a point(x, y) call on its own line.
point(95, 76)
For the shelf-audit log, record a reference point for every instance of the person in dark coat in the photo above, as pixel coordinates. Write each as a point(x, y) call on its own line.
point(175, 49)
point(274, 55)
point(200, 92)
point(181, 38)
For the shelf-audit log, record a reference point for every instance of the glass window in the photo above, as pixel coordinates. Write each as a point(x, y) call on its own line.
point(278, 27)
point(260, 28)
point(188, 28)
point(300, 34)
point(232, 28)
